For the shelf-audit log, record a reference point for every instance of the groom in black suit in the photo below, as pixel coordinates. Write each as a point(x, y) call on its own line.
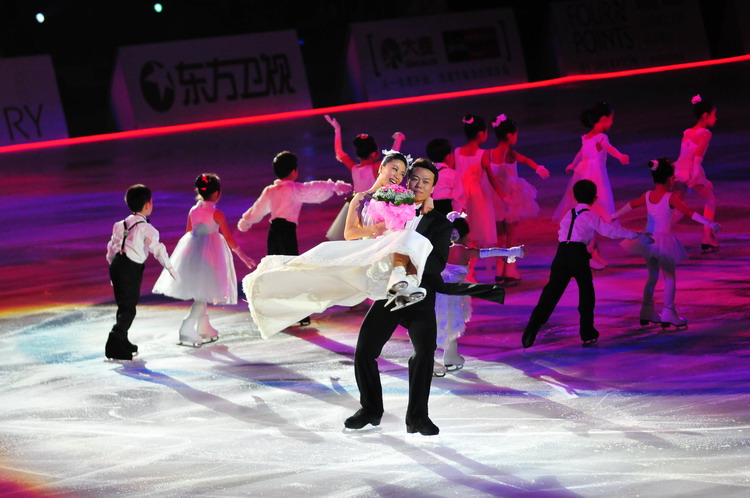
point(419, 319)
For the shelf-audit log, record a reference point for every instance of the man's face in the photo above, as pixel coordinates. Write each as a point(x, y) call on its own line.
point(421, 182)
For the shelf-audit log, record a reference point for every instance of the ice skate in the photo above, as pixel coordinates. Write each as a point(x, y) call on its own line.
point(133, 347)
point(669, 317)
point(424, 426)
point(512, 275)
point(590, 337)
point(438, 370)
point(709, 243)
point(397, 282)
point(648, 315)
point(412, 294)
point(117, 348)
point(453, 364)
point(206, 331)
point(189, 333)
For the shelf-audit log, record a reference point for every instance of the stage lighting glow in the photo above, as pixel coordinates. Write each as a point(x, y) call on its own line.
point(40, 18)
point(158, 7)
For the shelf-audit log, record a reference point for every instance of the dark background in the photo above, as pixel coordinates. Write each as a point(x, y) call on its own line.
point(82, 37)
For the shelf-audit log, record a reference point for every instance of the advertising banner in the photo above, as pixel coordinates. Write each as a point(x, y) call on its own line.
point(208, 79)
point(435, 54)
point(596, 36)
point(30, 107)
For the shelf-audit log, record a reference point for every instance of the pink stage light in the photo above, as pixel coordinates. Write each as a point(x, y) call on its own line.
point(163, 130)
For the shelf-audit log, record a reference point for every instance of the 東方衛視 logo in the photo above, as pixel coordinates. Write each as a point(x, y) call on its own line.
point(157, 86)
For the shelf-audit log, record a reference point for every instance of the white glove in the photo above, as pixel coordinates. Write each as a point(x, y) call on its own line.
point(342, 188)
point(511, 253)
point(542, 172)
point(243, 226)
point(705, 221)
point(175, 275)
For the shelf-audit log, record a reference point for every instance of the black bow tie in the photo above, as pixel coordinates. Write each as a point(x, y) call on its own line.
point(419, 211)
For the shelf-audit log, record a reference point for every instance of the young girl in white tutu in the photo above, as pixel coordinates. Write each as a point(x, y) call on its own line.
point(364, 172)
point(453, 311)
point(520, 194)
point(666, 251)
point(689, 173)
point(591, 164)
point(204, 262)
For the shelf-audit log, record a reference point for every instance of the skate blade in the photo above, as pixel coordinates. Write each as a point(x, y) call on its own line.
point(438, 374)
point(408, 301)
point(209, 340)
point(368, 429)
point(121, 361)
point(707, 249)
point(453, 368)
point(667, 325)
point(190, 344)
point(418, 438)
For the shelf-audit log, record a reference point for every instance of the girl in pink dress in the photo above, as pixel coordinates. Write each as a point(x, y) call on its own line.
point(479, 184)
point(521, 196)
point(666, 251)
point(204, 262)
point(591, 164)
point(364, 172)
point(689, 173)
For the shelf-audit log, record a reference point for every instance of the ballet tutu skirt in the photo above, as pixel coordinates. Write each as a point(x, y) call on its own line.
point(285, 289)
point(521, 201)
point(206, 268)
point(666, 248)
point(452, 311)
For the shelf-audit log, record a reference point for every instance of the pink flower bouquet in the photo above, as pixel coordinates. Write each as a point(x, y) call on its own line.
point(392, 204)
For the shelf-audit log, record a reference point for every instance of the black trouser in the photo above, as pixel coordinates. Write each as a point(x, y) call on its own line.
point(444, 206)
point(571, 261)
point(126, 277)
point(377, 328)
point(282, 238)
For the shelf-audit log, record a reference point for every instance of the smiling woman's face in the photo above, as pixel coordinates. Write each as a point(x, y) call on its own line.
point(393, 172)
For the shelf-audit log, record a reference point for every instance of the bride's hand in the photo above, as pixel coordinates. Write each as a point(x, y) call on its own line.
point(378, 229)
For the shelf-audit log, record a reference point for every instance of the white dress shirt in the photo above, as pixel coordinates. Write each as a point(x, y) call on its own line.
point(449, 186)
point(142, 239)
point(586, 224)
point(284, 199)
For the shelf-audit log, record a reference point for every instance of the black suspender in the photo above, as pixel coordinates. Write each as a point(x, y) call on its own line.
point(573, 216)
point(126, 232)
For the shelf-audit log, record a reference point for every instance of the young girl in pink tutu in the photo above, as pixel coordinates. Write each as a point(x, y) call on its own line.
point(591, 164)
point(364, 172)
point(666, 251)
point(689, 173)
point(203, 260)
point(479, 184)
point(521, 196)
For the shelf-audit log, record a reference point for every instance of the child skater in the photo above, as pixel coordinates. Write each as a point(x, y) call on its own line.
point(591, 164)
point(577, 228)
point(132, 239)
point(283, 201)
point(453, 311)
point(478, 183)
point(204, 262)
point(689, 171)
point(449, 192)
point(521, 196)
point(666, 252)
point(364, 172)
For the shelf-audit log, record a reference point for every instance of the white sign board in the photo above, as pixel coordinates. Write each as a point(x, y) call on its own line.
point(426, 55)
point(209, 79)
point(598, 36)
point(30, 108)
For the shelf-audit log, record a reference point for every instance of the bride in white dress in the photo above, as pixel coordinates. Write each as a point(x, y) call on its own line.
point(285, 289)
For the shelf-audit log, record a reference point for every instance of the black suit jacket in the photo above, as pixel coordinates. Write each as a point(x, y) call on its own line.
point(437, 229)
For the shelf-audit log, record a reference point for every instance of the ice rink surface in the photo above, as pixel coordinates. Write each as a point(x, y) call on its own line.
point(645, 412)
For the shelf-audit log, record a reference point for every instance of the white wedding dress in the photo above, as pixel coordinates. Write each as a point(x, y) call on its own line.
point(285, 289)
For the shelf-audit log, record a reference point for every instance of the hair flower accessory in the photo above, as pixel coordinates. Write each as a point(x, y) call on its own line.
point(387, 152)
point(453, 215)
point(696, 99)
point(499, 120)
point(654, 164)
point(363, 136)
point(468, 119)
point(393, 204)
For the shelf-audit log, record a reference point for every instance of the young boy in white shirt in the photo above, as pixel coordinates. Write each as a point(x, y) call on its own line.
point(448, 194)
point(577, 228)
point(283, 200)
point(132, 240)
